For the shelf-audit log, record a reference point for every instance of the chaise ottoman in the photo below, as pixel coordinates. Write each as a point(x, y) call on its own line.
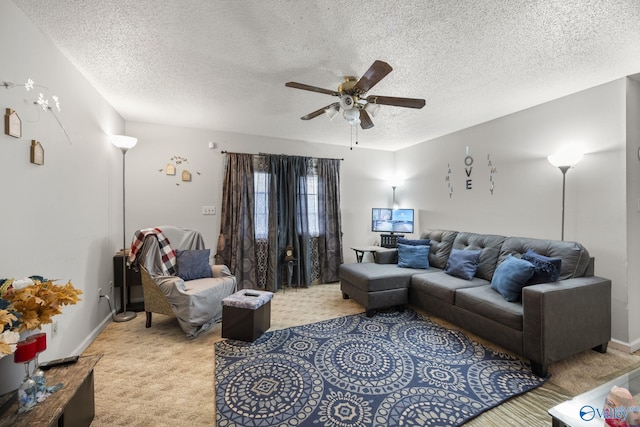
point(376, 286)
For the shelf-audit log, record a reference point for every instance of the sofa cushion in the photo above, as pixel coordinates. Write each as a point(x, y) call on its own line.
point(416, 242)
point(193, 264)
point(575, 257)
point(546, 269)
point(463, 263)
point(511, 276)
point(485, 302)
point(373, 277)
point(441, 242)
point(490, 246)
point(413, 256)
point(441, 286)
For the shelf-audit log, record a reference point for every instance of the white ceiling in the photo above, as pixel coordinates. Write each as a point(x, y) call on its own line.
point(222, 65)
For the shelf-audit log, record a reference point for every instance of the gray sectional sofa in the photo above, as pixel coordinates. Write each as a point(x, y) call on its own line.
point(550, 322)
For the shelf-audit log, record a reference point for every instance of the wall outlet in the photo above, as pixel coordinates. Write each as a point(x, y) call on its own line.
point(54, 329)
point(208, 210)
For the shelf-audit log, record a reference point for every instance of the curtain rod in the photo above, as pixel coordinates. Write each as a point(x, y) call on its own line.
point(265, 154)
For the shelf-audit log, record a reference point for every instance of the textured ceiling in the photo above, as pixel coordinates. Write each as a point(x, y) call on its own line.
point(222, 65)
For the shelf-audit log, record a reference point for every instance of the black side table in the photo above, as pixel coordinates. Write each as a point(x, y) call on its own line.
point(133, 279)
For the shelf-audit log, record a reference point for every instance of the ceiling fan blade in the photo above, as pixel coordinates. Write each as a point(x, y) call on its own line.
point(375, 73)
point(311, 88)
point(365, 119)
point(395, 101)
point(317, 112)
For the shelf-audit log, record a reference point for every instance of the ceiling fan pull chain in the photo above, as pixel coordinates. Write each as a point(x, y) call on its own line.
point(351, 146)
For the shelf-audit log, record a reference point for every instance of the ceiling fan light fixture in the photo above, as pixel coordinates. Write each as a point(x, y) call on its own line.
point(332, 112)
point(352, 115)
point(372, 108)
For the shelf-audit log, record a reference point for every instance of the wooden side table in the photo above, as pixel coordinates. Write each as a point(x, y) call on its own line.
point(72, 405)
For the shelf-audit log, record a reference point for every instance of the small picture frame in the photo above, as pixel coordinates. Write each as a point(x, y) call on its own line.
point(170, 170)
point(37, 153)
point(12, 124)
point(186, 176)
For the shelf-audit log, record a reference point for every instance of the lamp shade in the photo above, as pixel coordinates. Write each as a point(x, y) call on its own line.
point(565, 157)
point(124, 142)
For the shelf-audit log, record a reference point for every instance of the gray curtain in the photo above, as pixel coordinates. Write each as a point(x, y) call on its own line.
point(288, 217)
point(254, 251)
point(236, 245)
point(329, 220)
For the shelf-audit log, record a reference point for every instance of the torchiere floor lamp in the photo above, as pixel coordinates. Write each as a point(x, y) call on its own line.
point(563, 160)
point(124, 143)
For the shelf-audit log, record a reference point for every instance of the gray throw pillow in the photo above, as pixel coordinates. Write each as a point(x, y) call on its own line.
point(547, 269)
point(413, 256)
point(463, 263)
point(511, 276)
point(193, 264)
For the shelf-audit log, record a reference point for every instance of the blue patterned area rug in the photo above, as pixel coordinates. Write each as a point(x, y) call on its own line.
point(393, 369)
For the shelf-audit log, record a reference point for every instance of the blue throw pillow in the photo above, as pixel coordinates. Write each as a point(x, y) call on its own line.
point(193, 264)
point(463, 263)
point(511, 276)
point(417, 242)
point(412, 256)
point(547, 269)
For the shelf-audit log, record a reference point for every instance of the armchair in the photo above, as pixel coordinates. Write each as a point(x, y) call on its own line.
point(177, 279)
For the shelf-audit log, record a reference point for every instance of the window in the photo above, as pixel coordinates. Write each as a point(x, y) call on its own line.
point(261, 182)
point(312, 205)
point(261, 209)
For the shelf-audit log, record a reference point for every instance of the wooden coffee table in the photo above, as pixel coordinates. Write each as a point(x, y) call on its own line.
point(587, 409)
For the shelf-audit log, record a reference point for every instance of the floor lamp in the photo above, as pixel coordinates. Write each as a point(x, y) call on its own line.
point(124, 143)
point(563, 160)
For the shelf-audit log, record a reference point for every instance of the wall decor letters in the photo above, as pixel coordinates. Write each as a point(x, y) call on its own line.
point(447, 179)
point(468, 163)
point(492, 172)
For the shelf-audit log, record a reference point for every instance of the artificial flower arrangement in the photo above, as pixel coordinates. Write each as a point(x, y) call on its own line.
point(29, 303)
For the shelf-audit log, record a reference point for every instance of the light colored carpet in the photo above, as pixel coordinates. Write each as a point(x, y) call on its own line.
point(155, 377)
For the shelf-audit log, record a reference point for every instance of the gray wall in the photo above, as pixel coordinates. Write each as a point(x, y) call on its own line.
point(528, 189)
point(633, 207)
point(59, 220)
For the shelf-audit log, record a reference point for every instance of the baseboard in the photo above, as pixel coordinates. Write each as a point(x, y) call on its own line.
point(93, 335)
point(625, 346)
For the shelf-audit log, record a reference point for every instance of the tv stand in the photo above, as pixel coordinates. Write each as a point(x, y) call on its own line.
point(390, 240)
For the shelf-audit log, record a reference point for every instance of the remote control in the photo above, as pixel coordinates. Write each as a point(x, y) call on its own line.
point(58, 362)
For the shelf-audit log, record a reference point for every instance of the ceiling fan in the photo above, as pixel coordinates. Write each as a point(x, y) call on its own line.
point(354, 102)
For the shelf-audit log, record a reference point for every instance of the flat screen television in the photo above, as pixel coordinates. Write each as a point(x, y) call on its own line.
point(386, 220)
